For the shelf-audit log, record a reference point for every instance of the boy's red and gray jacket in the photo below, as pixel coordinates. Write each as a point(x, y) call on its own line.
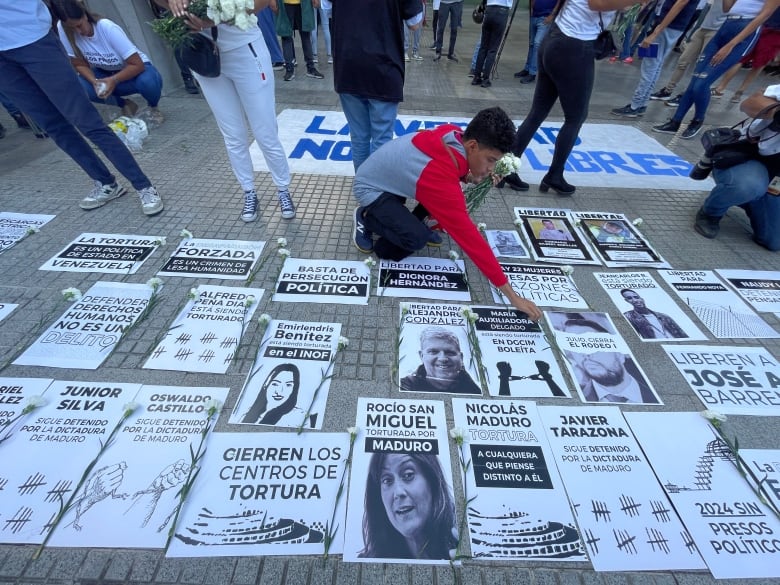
point(427, 166)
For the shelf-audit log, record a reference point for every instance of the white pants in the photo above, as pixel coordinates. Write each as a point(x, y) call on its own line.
point(246, 85)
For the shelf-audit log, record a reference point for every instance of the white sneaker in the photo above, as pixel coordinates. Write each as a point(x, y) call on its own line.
point(102, 194)
point(416, 57)
point(330, 59)
point(151, 202)
point(286, 203)
point(249, 212)
point(316, 60)
point(406, 57)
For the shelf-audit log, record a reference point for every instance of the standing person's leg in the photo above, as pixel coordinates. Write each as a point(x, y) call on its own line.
point(313, 37)
point(484, 41)
point(726, 79)
point(532, 49)
point(692, 50)
point(474, 56)
point(265, 20)
point(444, 13)
point(325, 24)
point(650, 69)
point(382, 116)
point(416, 36)
point(499, 18)
point(456, 15)
point(356, 110)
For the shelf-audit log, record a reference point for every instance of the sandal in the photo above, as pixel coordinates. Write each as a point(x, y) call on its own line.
point(716, 93)
point(737, 97)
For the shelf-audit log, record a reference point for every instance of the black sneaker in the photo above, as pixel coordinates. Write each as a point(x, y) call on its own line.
point(662, 94)
point(693, 129)
point(528, 79)
point(485, 83)
point(434, 240)
point(673, 102)
point(628, 112)
point(515, 183)
point(476, 80)
point(706, 225)
point(289, 75)
point(452, 57)
point(278, 66)
point(360, 235)
point(314, 73)
point(522, 73)
point(190, 85)
point(700, 171)
point(669, 127)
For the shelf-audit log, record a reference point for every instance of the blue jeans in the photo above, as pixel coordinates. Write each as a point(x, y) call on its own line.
point(416, 35)
point(9, 105)
point(745, 185)
point(477, 47)
point(536, 34)
point(40, 77)
point(370, 122)
point(650, 70)
point(625, 48)
point(148, 83)
point(265, 20)
point(705, 74)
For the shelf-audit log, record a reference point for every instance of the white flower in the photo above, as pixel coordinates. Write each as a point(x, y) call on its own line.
point(506, 165)
point(281, 242)
point(250, 300)
point(353, 431)
point(71, 294)
point(343, 342)
point(32, 229)
point(454, 255)
point(370, 262)
point(457, 434)
point(33, 402)
point(567, 269)
point(212, 406)
point(638, 221)
point(283, 252)
point(714, 416)
point(518, 222)
point(154, 283)
point(193, 294)
point(481, 226)
point(472, 317)
point(161, 241)
point(264, 319)
point(185, 233)
point(130, 407)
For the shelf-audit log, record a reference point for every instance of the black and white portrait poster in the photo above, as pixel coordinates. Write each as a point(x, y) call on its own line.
point(289, 381)
point(401, 504)
point(626, 521)
point(520, 510)
point(89, 329)
point(547, 286)
point(506, 243)
point(205, 335)
point(731, 380)
point(16, 394)
point(206, 258)
point(50, 452)
point(439, 279)
point(5, 309)
point(648, 308)
point(734, 531)
point(721, 310)
point(599, 359)
point(518, 359)
point(323, 281)
point(552, 237)
point(104, 253)
point(617, 240)
point(434, 353)
point(760, 288)
point(15, 226)
point(763, 468)
point(136, 483)
point(263, 494)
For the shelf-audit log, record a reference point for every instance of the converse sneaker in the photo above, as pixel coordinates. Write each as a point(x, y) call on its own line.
point(314, 73)
point(286, 203)
point(416, 56)
point(249, 213)
point(360, 235)
point(151, 202)
point(662, 94)
point(101, 195)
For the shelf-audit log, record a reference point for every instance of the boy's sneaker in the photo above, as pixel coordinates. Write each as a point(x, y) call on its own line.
point(406, 57)
point(286, 203)
point(673, 102)
point(289, 75)
point(669, 127)
point(662, 94)
point(314, 73)
point(330, 59)
point(101, 195)
point(434, 239)
point(249, 212)
point(151, 202)
point(692, 129)
point(360, 235)
point(416, 56)
point(628, 112)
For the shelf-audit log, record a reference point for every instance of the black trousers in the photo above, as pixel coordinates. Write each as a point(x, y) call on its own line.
point(492, 31)
point(401, 232)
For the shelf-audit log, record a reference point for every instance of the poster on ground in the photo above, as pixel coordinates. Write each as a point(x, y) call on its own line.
point(136, 483)
point(506, 243)
point(763, 469)
point(599, 360)
point(15, 226)
point(616, 240)
point(425, 278)
point(760, 288)
point(205, 258)
point(89, 329)
point(208, 330)
point(517, 358)
point(625, 519)
point(552, 237)
point(731, 380)
point(289, 381)
point(263, 494)
point(721, 310)
point(648, 308)
point(547, 286)
point(16, 395)
point(345, 282)
point(104, 253)
point(6, 309)
point(401, 501)
point(434, 352)
point(518, 508)
point(733, 530)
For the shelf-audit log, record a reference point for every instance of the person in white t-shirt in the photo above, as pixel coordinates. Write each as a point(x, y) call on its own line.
point(109, 65)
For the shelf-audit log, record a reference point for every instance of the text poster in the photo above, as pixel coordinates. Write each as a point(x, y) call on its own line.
point(760, 288)
point(506, 243)
point(15, 395)
point(53, 447)
point(290, 378)
point(5, 309)
point(434, 353)
point(425, 278)
point(552, 237)
point(721, 310)
point(517, 357)
point(648, 308)
point(262, 494)
point(763, 468)
point(89, 330)
point(323, 281)
point(208, 331)
point(547, 286)
point(137, 481)
point(735, 533)
point(617, 240)
point(731, 380)
point(104, 253)
point(625, 519)
point(205, 258)
point(401, 503)
point(599, 360)
point(519, 508)
point(15, 226)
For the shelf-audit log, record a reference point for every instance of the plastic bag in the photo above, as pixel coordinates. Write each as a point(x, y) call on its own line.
point(131, 131)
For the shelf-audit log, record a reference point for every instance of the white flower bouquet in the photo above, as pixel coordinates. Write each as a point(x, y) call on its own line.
point(476, 194)
point(175, 31)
